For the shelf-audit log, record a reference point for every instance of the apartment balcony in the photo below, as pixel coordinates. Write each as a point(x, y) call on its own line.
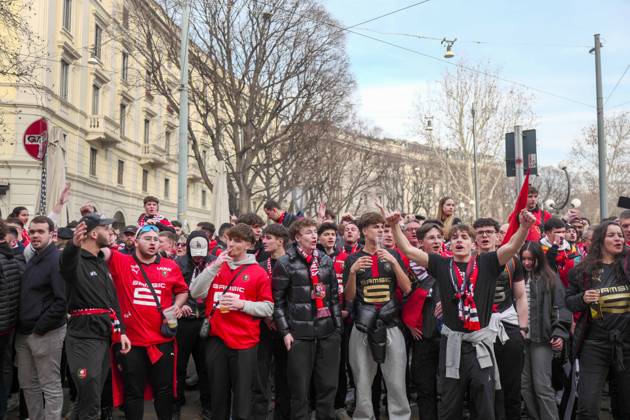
point(152, 156)
point(102, 131)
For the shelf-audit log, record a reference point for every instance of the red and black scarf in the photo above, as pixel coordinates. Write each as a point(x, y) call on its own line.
point(464, 285)
point(318, 292)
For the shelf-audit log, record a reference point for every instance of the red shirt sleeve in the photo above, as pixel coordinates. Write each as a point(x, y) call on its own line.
point(263, 289)
point(179, 284)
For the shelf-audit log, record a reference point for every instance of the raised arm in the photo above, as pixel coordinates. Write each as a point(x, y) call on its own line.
point(413, 253)
point(507, 251)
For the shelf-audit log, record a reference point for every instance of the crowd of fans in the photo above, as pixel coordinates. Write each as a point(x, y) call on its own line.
point(303, 316)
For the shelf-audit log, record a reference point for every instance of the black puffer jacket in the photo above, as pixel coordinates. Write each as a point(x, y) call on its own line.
point(187, 265)
point(11, 270)
point(294, 310)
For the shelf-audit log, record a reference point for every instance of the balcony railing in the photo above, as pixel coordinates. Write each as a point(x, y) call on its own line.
point(102, 130)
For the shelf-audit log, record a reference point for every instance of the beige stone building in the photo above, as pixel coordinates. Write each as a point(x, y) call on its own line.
point(119, 140)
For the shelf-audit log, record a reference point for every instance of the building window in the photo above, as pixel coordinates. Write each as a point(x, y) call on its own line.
point(98, 40)
point(147, 126)
point(93, 153)
point(203, 198)
point(125, 66)
point(167, 187)
point(96, 93)
point(121, 172)
point(67, 15)
point(63, 84)
point(167, 142)
point(122, 118)
point(145, 180)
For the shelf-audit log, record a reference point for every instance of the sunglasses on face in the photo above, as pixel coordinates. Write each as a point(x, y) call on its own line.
point(147, 228)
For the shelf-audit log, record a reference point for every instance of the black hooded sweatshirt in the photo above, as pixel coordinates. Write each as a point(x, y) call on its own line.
point(191, 270)
point(89, 285)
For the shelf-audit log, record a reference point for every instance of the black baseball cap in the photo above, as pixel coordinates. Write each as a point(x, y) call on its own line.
point(130, 229)
point(65, 233)
point(93, 220)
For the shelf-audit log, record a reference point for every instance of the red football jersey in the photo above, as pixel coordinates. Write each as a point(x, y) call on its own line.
point(139, 310)
point(237, 329)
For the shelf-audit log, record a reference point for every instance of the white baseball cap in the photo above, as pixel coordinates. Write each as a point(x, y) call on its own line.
point(198, 246)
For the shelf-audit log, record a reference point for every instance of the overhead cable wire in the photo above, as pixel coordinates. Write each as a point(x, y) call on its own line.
point(617, 84)
point(433, 38)
point(422, 54)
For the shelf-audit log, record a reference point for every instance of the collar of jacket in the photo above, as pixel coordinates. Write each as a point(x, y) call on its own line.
point(6, 250)
point(40, 255)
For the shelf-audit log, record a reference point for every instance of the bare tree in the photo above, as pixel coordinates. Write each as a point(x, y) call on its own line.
point(584, 151)
point(450, 134)
point(259, 72)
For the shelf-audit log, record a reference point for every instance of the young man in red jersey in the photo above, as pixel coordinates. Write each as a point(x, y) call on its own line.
point(152, 215)
point(152, 355)
point(536, 232)
point(238, 295)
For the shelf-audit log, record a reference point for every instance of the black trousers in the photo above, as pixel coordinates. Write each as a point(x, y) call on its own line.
point(6, 353)
point(344, 368)
point(596, 362)
point(282, 400)
point(231, 374)
point(261, 389)
point(318, 360)
point(137, 369)
point(478, 382)
point(424, 370)
point(89, 366)
point(509, 357)
point(189, 343)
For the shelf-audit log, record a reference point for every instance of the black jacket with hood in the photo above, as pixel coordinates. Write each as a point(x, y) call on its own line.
point(188, 266)
point(11, 269)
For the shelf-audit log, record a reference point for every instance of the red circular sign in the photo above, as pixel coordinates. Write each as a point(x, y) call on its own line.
point(36, 139)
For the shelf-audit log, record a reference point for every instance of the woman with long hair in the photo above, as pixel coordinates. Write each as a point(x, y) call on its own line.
point(548, 330)
point(599, 289)
point(446, 215)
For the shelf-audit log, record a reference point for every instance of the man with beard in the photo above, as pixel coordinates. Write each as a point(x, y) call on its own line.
point(152, 215)
point(189, 342)
point(129, 240)
point(272, 355)
point(94, 313)
point(542, 216)
point(510, 322)
point(308, 317)
point(148, 287)
point(467, 286)
point(42, 324)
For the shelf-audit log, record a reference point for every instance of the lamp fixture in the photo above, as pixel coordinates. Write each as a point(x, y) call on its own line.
point(449, 47)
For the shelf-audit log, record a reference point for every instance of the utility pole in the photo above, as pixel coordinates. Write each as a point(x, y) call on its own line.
point(182, 175)
point(601, 140)
point(475, 176)
point(518, 156)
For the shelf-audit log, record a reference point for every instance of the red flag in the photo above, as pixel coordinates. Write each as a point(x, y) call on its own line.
point(521, 203)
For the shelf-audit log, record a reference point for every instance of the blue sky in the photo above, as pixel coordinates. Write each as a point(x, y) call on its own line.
point(543, 44)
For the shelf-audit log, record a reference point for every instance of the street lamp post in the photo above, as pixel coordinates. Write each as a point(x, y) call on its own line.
point(475, 177)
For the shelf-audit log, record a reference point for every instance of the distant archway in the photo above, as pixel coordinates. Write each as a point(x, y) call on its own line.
point(119, 220)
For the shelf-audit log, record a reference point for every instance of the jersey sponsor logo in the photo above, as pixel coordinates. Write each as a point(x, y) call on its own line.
point(143, 296)
point(376, 293)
